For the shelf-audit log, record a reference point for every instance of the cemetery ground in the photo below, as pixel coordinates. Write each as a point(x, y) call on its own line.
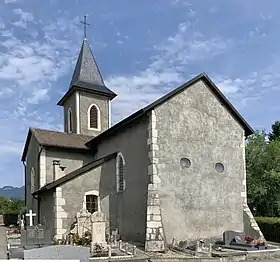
point(34, 242)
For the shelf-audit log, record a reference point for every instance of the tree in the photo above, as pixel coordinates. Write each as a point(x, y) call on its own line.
point(275, 133)
point(255, 163)
point(11, 205)
point(3, 204)
point(263, 174)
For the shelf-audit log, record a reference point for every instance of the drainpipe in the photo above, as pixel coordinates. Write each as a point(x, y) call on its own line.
point(24, 166)
point(38, 184)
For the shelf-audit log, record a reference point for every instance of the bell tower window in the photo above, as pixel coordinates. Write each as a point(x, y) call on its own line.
point(70, 120)
point(93, 117)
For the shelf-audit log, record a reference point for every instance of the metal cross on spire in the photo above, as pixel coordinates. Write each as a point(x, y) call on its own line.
point(85, 25)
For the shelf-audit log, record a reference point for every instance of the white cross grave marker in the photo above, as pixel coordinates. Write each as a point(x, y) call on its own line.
point(30, 215)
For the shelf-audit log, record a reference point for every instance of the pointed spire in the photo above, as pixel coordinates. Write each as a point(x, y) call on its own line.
point(86, 69)
point(87, 76)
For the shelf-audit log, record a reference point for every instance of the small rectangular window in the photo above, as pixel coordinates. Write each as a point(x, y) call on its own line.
point(91, 203)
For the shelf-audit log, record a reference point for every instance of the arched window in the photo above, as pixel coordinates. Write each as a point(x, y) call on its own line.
point(93, 117)
point(70, 120)
point(32, 180)
point(120, 173)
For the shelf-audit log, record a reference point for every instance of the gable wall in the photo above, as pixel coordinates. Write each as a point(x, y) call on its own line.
point(103, 104)
point(70, 159)
point(198, 202)
point(32, 161)
point(131, 204)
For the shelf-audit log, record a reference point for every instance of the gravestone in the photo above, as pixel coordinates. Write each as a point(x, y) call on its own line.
point(83, 222)
point(62, 252)
point(13, 240)
point(236, 240)
point(98, 229)
point(1, 220)
point(14, 249)
point(230, 237)
point(35, 236)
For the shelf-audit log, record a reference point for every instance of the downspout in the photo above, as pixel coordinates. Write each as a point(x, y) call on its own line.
point(24, 164)
point(38, 176)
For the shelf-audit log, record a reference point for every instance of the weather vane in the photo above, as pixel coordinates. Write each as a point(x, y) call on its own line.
point(85, 25)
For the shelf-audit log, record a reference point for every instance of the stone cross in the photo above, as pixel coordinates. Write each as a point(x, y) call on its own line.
point(30, 215)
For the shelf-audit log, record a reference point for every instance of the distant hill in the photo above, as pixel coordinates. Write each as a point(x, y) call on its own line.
point(12, 192)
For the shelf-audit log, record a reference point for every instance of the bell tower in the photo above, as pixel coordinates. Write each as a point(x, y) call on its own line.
point(87, 101)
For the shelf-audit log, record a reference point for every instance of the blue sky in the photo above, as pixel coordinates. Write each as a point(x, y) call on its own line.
point(143, 48)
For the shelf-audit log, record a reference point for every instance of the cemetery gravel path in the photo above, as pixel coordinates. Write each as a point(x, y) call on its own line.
point(2, 243)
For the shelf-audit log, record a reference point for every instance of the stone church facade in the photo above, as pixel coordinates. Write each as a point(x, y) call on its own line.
point(174, 169)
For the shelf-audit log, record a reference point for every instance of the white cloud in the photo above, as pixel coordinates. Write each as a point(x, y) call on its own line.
point(10, 1)
point(25, 18)
point(6, 92)
point(29, 68)
point(166, 71)
point(251, 88)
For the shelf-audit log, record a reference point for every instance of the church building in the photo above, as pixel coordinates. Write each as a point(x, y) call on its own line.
point(173, 169)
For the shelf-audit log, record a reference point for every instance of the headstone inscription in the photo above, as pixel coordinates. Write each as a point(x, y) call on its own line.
point(98, 229)
point(35, 236)
point(62, 252)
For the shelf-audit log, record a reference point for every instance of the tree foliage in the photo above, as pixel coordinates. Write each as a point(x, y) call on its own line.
point(263, 172)
point(275, 131)
point(11, 205)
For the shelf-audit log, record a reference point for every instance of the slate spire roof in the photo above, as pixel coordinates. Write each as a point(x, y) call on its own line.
point(86, 69)
point(87, 76)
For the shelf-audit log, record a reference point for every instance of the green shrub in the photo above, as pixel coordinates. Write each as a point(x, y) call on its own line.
point(270, 227)
point(10, 218)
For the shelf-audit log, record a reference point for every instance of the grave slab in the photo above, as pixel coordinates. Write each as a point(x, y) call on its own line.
point(59, 252)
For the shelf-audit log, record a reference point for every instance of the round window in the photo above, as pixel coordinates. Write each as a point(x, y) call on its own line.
point(219, 167)
point(185, 162)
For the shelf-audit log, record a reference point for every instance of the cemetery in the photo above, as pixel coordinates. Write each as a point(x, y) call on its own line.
point(89, 241)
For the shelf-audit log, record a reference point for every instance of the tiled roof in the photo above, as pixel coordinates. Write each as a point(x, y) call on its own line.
point(56, 139)
point(61, 139)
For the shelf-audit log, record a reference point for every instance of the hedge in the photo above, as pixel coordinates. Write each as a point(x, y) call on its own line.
point(270, 227)
point(10, 219)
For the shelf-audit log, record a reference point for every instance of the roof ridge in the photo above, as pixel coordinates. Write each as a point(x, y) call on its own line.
point(142, 111)
point(57, 131)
